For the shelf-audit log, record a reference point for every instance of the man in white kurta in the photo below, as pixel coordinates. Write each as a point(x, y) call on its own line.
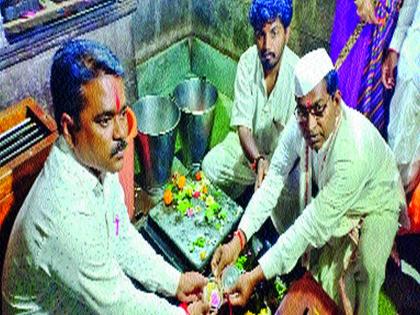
point(263, 103)
point(66, 256)
point(252, 108)
point(72, 248)
point(358, 183)
point(404, 116)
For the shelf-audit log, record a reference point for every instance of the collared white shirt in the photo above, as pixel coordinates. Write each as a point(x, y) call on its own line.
point(359, 177)
point(252, 108)
point(68, 255)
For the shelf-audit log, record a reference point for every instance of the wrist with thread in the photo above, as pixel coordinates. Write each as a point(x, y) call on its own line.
point(254, 164)
point(242, 239)
point(184, 306)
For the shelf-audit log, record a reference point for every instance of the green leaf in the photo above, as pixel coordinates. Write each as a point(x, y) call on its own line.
point(217, 194)
point(169, 186)
point(281, 288)
point(183, 205)
point(222, 215)
point(209, 214)
point(240, 262)
point(200, 241)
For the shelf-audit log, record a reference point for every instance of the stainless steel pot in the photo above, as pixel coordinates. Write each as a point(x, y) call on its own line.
point(157, 119)
point(196, 99)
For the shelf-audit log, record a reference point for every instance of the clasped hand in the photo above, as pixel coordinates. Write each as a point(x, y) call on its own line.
point(225, 255)
point(262, 169)
point(190, 290)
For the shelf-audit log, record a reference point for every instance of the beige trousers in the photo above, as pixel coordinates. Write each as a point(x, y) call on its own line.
point(365, 277)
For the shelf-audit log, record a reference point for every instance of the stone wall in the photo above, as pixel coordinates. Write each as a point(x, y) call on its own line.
point(154, 26)
point(224, 24)
point(311, 25)
point(31, 77)
point(158, 24)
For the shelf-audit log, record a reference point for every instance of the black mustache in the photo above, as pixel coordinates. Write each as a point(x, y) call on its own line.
point(120, 146)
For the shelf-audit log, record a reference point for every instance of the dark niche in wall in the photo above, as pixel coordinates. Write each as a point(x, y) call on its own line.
point(52, 24)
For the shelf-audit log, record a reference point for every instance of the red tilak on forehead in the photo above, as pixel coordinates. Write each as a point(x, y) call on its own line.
point(117, 99)
point(308, 103)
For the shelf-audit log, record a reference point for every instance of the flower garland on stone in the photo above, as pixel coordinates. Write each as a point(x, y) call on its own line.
point(190, 196)
point(180, 192)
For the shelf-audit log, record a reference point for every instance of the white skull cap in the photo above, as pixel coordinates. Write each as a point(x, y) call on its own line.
point(310, 70)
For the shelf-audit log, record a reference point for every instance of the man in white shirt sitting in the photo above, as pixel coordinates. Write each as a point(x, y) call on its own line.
point(263, 103)
point(72, 248)
point(355, 214)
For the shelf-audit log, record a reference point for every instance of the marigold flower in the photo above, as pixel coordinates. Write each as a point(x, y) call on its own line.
point(198, 176)
point(167, 197)
point(204, 189)
point(181, 182)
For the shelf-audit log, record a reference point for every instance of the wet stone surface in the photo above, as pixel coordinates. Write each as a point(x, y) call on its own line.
point(194, 235)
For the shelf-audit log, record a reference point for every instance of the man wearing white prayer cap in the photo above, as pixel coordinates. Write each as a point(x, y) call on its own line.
point(353, 215)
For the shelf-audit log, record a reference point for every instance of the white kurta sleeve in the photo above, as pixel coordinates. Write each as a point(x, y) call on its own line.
point(405, 19)
point(316, 224)
point(244, 104)
point(266, 197)
point(139, 260)
point(84, 266)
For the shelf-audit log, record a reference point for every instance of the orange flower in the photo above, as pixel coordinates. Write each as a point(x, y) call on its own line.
point(167, 197)
point(204, 189)
point(198, 176)
point(181, 182)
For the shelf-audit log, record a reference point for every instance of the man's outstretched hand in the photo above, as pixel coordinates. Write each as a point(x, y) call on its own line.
point(190, 287)
point(244, 287)
point(225, 255)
